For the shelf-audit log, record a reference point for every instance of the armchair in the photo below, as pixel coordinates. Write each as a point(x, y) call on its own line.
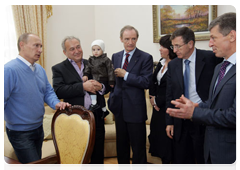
point(73, 132)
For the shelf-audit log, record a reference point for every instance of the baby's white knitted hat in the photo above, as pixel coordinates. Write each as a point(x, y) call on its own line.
point(100, 43)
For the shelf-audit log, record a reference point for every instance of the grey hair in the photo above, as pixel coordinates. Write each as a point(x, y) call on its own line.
point(226, 23)
point(128, 27)
point(68, 38)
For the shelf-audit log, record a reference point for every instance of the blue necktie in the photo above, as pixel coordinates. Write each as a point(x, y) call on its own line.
point(186, 79)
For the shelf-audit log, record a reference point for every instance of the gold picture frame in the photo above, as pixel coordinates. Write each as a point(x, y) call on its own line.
point(209, 15)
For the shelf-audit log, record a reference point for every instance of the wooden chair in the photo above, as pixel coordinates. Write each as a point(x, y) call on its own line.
point(73, 132)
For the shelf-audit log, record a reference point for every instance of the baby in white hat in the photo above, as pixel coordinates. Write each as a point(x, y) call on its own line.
point(101, 69)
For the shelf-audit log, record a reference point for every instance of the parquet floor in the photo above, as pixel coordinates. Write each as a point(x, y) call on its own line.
point(111, 164)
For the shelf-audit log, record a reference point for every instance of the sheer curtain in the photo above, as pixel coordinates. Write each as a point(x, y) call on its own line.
point(25, 18)
point(32, 19)
point(10, 39)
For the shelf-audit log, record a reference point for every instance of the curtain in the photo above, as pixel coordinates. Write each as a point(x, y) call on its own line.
point(32, 19)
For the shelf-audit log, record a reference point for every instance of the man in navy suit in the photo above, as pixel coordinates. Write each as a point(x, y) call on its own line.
point(127, 99)
point(188, 136)
point(218, 113)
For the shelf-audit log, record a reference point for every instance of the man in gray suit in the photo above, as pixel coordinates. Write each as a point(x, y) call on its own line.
point(218, 113)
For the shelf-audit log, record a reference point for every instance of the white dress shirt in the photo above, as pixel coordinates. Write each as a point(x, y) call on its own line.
point(193, 95)
point(160, 73)
point(32, 67)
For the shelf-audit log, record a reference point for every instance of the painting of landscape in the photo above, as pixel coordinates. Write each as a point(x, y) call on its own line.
point(172, 17)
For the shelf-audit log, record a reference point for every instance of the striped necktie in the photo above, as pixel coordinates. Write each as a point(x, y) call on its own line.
point(126, 62)
point(222, 72)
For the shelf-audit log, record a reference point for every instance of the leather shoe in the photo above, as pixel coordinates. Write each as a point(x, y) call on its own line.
point(105, 114)
point(94, 107)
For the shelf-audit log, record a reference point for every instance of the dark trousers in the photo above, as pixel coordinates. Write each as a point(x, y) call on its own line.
point(27, 144)
point(208, 164)
point(130, 134)
point(189, 149)
point(98, 150)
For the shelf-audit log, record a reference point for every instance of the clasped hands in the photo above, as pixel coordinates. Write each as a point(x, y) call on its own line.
point(92, 86)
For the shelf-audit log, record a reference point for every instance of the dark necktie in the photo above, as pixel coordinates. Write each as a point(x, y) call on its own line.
point(222, 72)
point(126, 62)
point(186, 78)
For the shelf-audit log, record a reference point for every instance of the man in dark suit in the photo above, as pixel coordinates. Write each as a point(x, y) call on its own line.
point(68, 85)
point(188, 137)
point(133, 70)
point(218, 113)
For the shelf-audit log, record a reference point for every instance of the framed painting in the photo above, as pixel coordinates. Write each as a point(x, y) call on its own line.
point(168, 18)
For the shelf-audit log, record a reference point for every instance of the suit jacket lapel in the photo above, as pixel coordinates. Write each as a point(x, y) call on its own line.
point(164, 78)
point(179, 74)
point(70, 67)
point(229, 74)
point(119, 60)
point(159, 66)
point(214, 78)
point(199, 65)
point(133, 60)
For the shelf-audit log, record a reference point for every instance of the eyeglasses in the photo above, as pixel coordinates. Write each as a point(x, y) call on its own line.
point(176, 46)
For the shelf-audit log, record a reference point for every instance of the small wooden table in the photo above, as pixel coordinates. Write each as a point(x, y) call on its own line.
point(11, 164)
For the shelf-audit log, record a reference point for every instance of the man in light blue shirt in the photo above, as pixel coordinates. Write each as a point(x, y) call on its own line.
point(129, 59)
point(189, 74)
point(218, 113)
point(26, 89)
point(133, 70)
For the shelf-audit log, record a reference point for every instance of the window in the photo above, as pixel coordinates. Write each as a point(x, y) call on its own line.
point(10, 39)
